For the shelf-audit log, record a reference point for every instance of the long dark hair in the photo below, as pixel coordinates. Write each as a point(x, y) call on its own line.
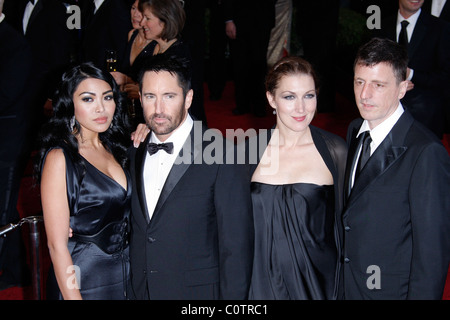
point(58, 131)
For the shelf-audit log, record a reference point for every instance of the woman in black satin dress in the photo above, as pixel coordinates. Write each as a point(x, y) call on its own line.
point(296, 193)
point(85, 187)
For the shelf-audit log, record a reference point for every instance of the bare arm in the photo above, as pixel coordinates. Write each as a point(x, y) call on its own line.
point(56, 219)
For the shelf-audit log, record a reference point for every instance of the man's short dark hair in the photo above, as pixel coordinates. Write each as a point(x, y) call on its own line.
point(177, 67)
point(379, 50)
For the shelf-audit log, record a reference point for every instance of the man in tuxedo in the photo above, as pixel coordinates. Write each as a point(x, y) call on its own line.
point(104, 26)
point(317, 24)
point(194, 34)
point(191, 224)
point(15, 71)
point(427, 40)
point(43, 23)
point(396, 212)
point(248, 25)
point(441, 9)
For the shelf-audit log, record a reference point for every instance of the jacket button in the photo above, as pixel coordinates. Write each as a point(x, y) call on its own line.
point(346, 260)
point(347, 228)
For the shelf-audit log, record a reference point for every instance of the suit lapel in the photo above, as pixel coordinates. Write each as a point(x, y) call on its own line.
point(388, 152)
point(37, 8)
point(353, 148)
point(420, 31)
point(182, 163)
point(141, 153)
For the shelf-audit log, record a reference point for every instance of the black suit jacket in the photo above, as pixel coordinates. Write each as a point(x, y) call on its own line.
point(445, 13)
point(250, 15)
point(397, 216)
point(51, 41)
point(428, 53)
point(199, 242)
point(15, 71)
point(106, 30)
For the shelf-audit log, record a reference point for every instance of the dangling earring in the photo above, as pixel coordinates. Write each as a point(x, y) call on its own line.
point(72, 123)
point(274, 111)
point(111, 125)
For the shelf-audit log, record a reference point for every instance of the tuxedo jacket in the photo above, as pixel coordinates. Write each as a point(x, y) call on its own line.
point(15, 71)
point(250, 15)
point(397, 216)
point(428, 54)
point(50, 39)
point(107, 29)
point(199, 242)
point(445, 13)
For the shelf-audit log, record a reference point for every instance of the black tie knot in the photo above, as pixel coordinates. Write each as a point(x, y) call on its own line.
point(153, 148)
point(403, 36)
point(32, 1)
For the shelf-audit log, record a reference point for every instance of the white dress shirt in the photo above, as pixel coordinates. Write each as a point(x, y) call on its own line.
point(379, 133)
point(2, 17)
point(97, 4)
point(158, 165)
point(27, 14)
point(437, 6)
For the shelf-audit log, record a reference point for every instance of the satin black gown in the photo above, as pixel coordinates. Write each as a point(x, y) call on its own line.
point(100, 209)
point(295, 250)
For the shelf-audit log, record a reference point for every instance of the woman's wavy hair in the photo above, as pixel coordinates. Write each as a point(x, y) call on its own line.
point(58, 131)
point(170, 12)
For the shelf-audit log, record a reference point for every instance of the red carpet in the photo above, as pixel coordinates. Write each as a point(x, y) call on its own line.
point(220, 117)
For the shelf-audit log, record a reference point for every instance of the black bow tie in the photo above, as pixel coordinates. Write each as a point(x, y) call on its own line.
point(153, 148)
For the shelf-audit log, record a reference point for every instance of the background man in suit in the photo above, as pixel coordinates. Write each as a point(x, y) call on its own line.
point(396, 216)
point(15, 71)
point(105, 26)
point(429, 61)
point(441, 9)
point(191, 225)
point(43, 23)
point(248, 25)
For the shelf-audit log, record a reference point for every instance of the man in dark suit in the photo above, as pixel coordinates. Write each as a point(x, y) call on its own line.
point(429, 61)
point(43, 23)
point(396, 214)
point(15, 71)
point(191, 224)
point(248, 25)
point(104, 26)
point(194, 34)
point(441, 9)
point(317, 25)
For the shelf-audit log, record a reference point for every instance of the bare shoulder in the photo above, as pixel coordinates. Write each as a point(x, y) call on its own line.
point(55, 160)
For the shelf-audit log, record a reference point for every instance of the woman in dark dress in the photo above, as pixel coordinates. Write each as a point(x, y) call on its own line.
point(138, 50)
point(296, 193)
point(163, 22)
point(85, 187)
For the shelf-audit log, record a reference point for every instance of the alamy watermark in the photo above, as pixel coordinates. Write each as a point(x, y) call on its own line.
point(74, 280)
point(74, 20)
point(374, 280)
